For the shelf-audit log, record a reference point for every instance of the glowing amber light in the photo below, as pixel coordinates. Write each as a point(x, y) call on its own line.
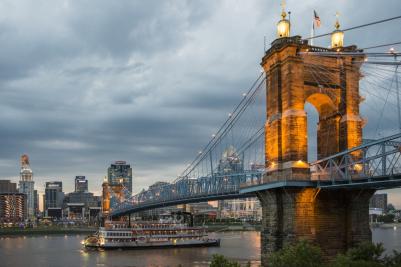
point(301, 164)
point(337, 37)
point(283, 28)
point(272, 164)
point(358, 167)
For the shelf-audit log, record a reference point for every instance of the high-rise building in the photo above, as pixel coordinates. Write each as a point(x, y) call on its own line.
point(12, 207)
point(6, 186)
point(26, 186)
point(53, 197)
point(36, 202)
point(120, 173)
point(81, 184)
point(12, 203)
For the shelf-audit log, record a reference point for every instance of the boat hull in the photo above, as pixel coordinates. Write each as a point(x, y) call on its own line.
point(200, 243)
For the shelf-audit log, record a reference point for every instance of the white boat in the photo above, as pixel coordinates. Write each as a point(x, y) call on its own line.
point(149, 235)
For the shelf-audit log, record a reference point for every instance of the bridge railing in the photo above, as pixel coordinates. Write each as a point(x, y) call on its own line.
point(377, 159)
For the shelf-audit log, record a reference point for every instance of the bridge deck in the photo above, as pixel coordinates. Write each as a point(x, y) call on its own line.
point(373, 165)
point(378, 183)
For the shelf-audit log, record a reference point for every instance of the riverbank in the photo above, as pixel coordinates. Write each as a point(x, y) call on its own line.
point(91, 230)
point(232, 227)
point(257, 227)
point(46, 231)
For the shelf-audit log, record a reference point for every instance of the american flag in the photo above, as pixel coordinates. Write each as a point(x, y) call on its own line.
point(316, 19)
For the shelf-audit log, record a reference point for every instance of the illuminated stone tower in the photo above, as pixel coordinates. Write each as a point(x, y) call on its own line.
point(330, 84)
point(334, 219)
point(105, 198)
point(26, 186)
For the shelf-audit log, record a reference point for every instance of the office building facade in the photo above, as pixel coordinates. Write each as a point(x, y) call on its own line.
point(81, 206)
point(6, 186)
point(120, 173)
point(53, 197)
point(35, 202)
point(81, 184)
point(12, 207)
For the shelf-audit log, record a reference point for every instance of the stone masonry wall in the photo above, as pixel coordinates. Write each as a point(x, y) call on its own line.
point(333, 219)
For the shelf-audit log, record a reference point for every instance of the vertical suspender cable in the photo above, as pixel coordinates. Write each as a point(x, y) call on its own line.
point(398, 97)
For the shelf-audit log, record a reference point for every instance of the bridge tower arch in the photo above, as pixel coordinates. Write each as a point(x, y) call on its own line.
point(325, 107)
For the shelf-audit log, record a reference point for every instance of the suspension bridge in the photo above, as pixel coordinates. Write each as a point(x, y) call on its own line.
point(262, 148)
point(232, 164)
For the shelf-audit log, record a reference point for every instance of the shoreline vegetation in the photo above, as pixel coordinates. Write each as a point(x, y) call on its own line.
point(305, 254)
point(57, 230)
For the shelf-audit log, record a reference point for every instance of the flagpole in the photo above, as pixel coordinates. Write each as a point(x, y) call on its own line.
point(312, 32)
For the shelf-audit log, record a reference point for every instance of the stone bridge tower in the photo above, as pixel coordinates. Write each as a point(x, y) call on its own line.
point(334, 219)
point(330, 84)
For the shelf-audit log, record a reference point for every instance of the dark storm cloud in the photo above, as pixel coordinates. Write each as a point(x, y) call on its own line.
point(84, 83)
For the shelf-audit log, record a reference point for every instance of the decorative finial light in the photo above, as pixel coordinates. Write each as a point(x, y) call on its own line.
point(283, 26)
point(337, 36)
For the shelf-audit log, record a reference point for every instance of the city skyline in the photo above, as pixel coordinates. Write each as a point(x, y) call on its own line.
point(106, 80)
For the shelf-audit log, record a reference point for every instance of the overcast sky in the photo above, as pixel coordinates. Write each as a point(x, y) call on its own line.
point(85, 83)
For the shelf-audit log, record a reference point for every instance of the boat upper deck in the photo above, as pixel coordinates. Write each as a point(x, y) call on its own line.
point(150, 226)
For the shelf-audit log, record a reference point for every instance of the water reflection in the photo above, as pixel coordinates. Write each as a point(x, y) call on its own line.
point(65, 251)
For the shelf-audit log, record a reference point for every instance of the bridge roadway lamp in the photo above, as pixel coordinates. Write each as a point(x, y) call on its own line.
point(337, 36)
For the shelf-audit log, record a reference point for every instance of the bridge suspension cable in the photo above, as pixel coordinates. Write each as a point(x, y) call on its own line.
point(356, 27)
point(227, 125)
point(382, 45)
point(377, 75)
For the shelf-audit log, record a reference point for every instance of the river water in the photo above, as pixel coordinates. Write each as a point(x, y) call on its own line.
point(66, 251)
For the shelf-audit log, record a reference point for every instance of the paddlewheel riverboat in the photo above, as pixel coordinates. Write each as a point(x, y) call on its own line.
point(148, 235)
